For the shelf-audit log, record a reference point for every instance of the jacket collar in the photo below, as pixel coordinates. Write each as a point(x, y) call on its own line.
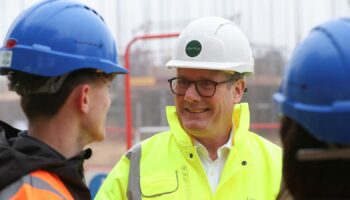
point(240, 119)
point(175, 126)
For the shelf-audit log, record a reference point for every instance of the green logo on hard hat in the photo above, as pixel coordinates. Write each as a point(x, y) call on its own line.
point(193, 48)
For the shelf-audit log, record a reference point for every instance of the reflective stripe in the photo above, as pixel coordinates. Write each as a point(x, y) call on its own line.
point(10, 190)
point(54, 181)
point(35, 182)
point(134, 190)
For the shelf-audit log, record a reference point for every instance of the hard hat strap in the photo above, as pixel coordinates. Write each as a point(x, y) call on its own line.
point(323, 154)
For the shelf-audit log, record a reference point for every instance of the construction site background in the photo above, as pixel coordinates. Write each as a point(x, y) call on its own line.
point(273, 27)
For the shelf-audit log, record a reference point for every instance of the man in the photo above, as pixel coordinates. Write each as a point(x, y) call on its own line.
point(209, 152)
point(314, 100)
point(62, 71)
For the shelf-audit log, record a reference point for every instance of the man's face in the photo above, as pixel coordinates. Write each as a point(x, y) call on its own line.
point(204, 117)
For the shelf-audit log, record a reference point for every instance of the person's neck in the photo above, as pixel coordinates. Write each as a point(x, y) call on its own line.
point(213, 144)
point(61, 134)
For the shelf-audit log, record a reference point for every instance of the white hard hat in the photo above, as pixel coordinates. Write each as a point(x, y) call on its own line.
point(213, 43)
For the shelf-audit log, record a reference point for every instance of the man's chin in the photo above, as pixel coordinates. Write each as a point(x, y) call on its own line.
point(194, 128)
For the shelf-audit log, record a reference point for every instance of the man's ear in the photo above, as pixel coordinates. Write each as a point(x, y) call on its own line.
point(83, 97)
point(239, 87)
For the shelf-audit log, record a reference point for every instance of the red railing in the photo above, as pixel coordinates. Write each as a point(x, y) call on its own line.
point(128, 109)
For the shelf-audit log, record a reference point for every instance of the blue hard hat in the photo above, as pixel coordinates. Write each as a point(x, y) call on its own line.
point(315, 91)
point(56, 37)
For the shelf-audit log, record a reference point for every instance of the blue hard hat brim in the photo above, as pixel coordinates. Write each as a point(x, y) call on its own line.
point(52, 60)
point(328, 123)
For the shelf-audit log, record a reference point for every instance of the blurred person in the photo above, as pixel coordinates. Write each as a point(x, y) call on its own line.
point(209, 152)
point(314, 100)
point(60, 58)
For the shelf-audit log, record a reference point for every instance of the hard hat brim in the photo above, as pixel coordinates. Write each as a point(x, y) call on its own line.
point(56, 63)
point(228, 66)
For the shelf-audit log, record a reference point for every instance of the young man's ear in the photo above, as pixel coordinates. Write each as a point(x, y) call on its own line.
point(83, 97)
point(239, 87)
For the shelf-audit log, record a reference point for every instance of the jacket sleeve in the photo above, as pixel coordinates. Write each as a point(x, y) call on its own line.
point(36, 185)
point(115, 185)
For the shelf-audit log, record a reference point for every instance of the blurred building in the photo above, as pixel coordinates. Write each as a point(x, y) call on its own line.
point(274, 28)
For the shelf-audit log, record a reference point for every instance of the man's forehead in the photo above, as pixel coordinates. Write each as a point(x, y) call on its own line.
point(199, 72)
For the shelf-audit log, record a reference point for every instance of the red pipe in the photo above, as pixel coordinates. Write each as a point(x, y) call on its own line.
point(128, 109)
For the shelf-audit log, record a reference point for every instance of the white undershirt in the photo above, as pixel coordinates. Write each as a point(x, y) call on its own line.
point(214, 168)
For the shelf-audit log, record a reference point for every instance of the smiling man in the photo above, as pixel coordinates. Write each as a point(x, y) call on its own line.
point(209, 152)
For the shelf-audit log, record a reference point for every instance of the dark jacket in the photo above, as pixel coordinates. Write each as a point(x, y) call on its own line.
point(21, 154)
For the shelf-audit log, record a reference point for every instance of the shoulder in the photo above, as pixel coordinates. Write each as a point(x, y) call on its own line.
point(117, 181)
point(157, 139)
point(262, 149)
point(154, 143)
point(264, 143)
point(36, 185)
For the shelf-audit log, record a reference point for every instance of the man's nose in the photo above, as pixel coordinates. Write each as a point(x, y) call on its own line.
point(192, 93)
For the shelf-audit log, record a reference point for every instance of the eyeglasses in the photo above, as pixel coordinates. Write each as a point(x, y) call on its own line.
point(205, 88)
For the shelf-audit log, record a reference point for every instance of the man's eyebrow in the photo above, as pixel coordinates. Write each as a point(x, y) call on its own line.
point(190, 78)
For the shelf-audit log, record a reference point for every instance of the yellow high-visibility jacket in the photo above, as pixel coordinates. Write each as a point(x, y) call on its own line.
point(166, 166)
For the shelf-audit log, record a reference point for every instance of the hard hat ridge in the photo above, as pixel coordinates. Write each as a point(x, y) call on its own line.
point(213, 43)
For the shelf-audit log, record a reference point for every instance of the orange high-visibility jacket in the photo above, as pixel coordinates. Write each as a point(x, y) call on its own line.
point(37, 185)
point(31, 169)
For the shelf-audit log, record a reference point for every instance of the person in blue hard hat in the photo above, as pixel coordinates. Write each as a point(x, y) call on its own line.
point(60, 58)
point(314, 99)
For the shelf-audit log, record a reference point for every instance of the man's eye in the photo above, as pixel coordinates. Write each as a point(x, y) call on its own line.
point(182, 83)
point(206, 84)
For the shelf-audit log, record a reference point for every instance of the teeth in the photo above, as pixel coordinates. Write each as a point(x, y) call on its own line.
point(196, 111)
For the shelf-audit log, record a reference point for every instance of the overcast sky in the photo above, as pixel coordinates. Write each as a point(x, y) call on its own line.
point(279, 23)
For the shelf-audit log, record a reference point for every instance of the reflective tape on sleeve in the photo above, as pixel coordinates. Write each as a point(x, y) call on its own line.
point(134, 190)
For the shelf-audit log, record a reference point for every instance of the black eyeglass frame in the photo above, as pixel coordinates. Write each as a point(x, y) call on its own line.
point(214, 83)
